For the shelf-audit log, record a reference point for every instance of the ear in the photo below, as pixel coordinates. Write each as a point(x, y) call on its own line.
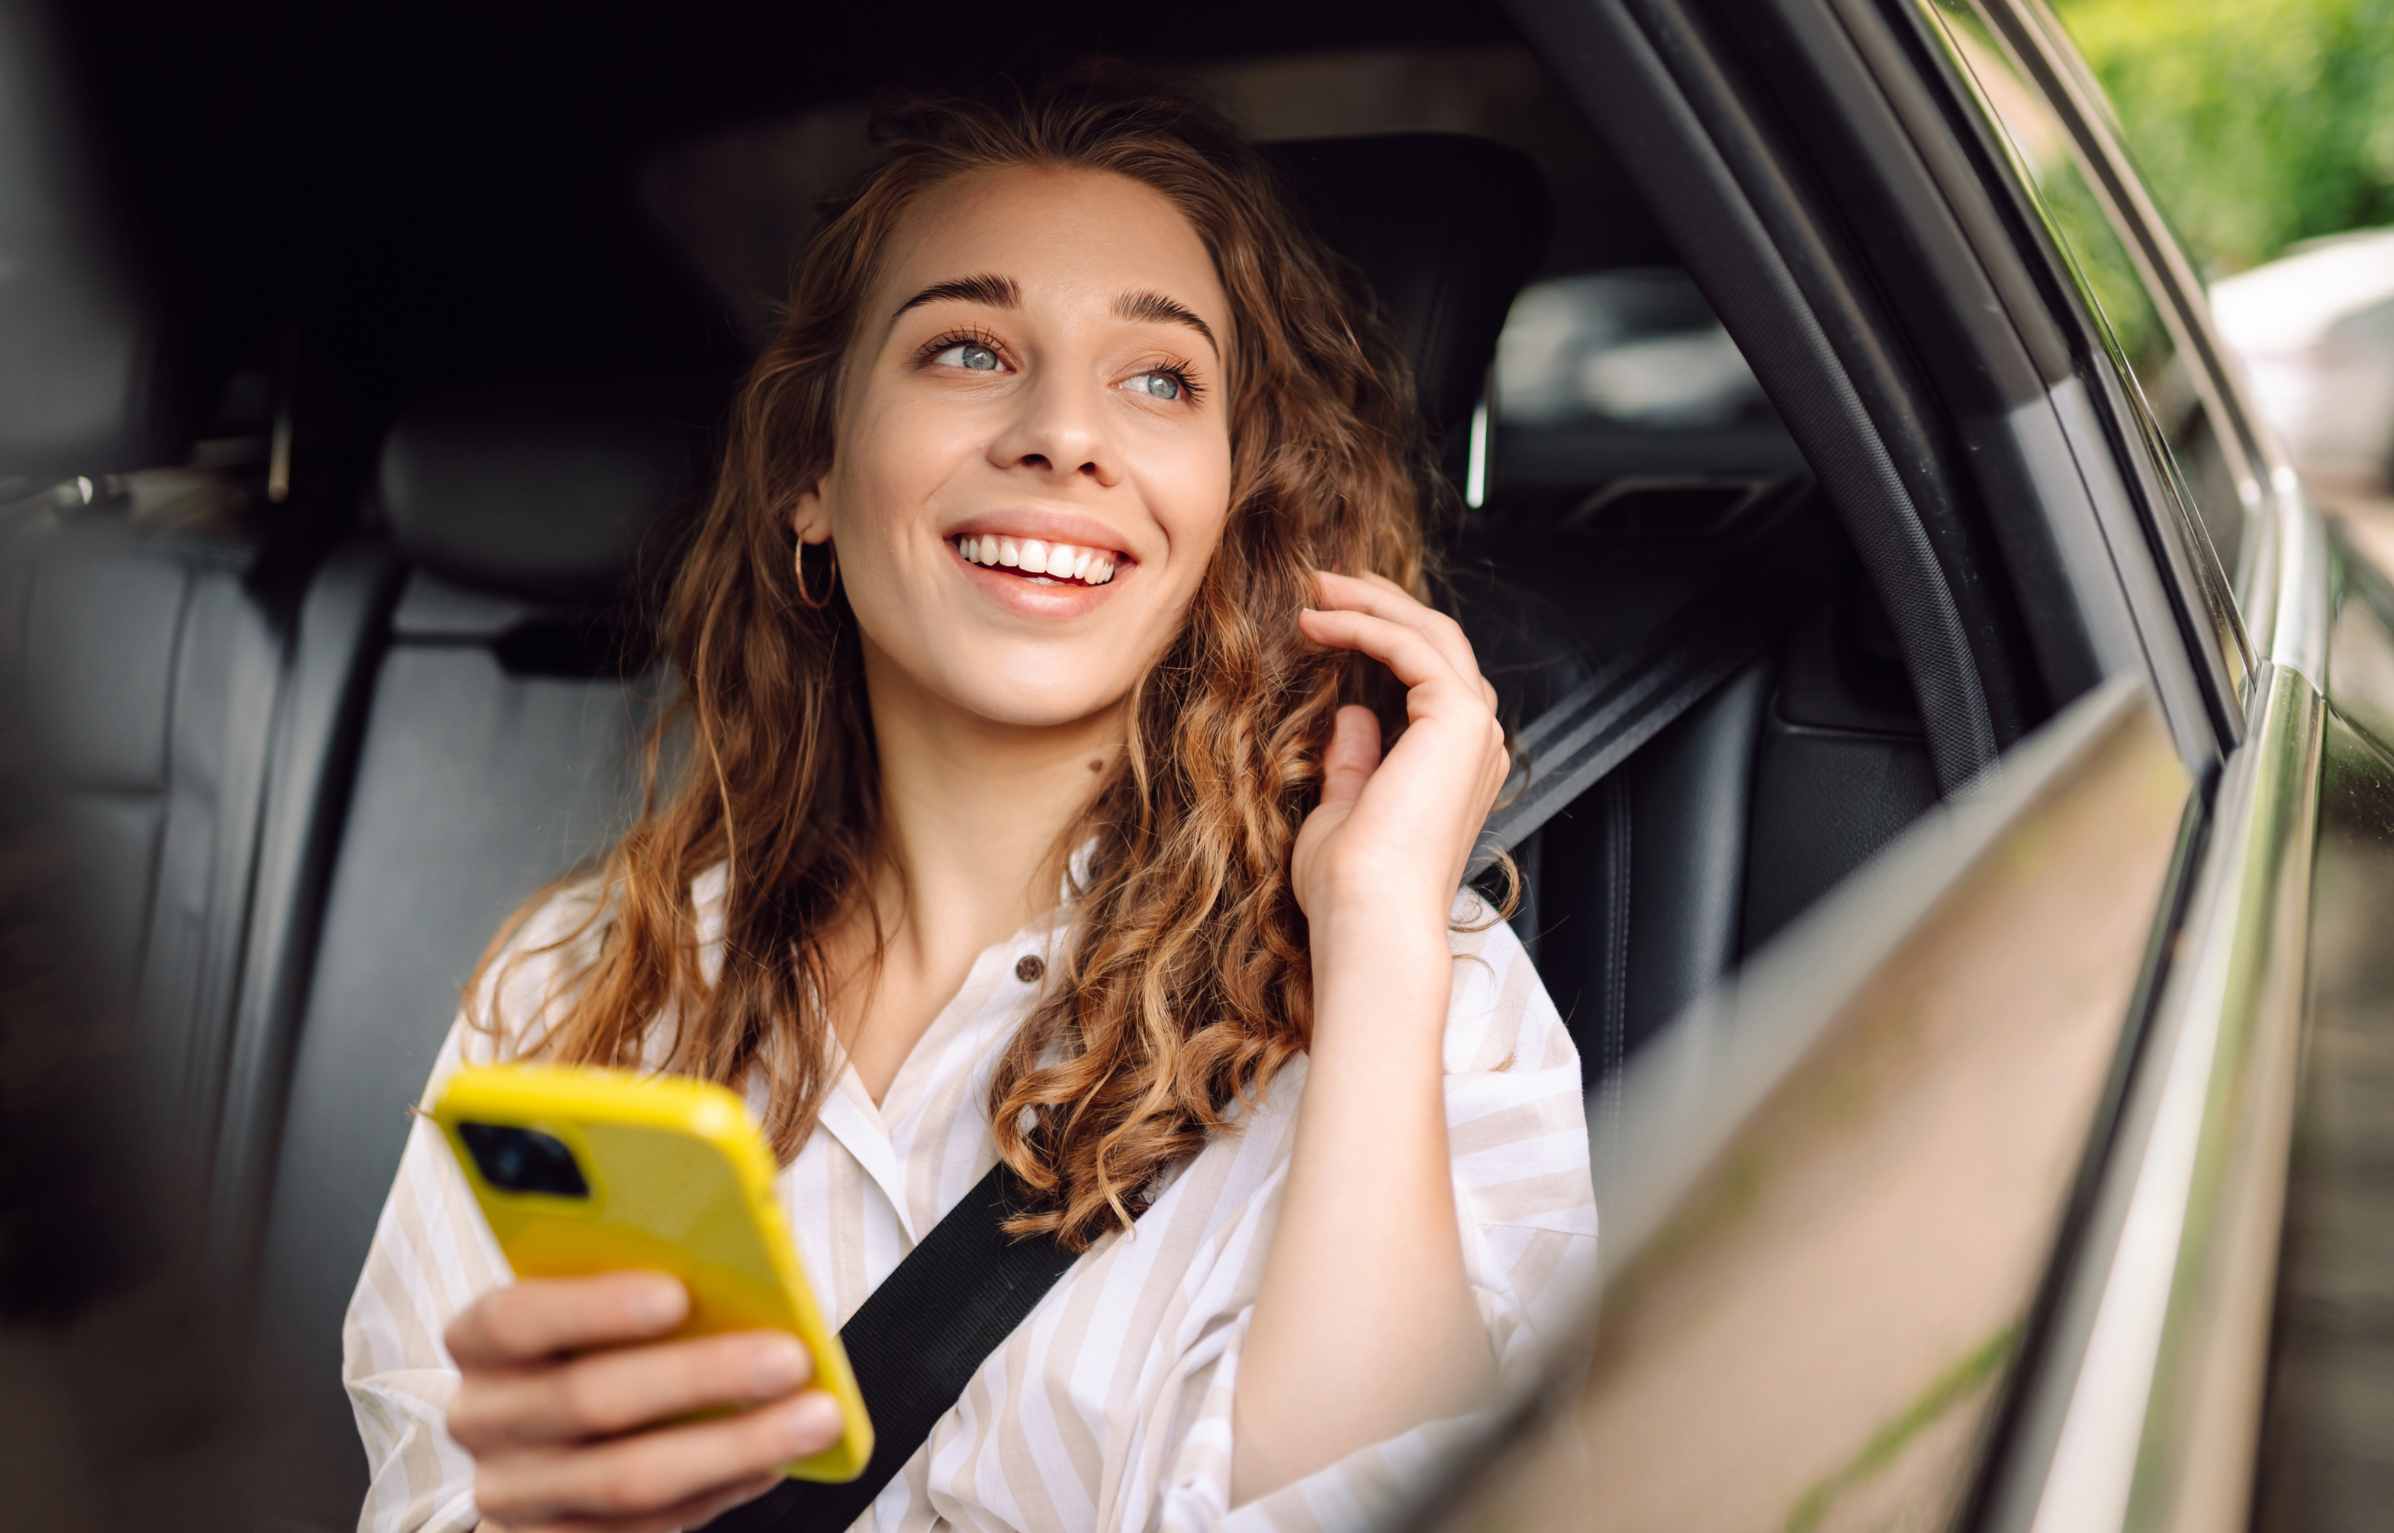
point(810, 519)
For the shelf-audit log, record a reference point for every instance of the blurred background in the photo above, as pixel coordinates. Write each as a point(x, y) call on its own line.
point(2266, 130)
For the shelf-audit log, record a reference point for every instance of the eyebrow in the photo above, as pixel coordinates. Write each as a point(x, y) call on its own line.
point(1139, 305)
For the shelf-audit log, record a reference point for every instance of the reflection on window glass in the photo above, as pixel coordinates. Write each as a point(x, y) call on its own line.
point(2183, 436)
point(2149, 352)
point(1636, 348)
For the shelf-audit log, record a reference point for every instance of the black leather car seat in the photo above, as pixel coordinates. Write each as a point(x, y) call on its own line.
point(1700, 847)
point(117, 632)
point(467, 708)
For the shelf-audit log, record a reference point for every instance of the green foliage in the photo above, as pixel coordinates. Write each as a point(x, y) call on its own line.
point(2255, 123)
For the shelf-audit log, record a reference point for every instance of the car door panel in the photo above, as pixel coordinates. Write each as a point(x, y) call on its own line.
point(2144, 1406)
point(1833, 1190)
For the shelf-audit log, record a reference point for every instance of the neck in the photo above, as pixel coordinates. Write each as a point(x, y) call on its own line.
point(973, 812)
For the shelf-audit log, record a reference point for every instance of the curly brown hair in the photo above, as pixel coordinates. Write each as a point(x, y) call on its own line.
point(1187, 982)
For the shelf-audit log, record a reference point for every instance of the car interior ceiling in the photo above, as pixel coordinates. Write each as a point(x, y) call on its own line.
point(458, 690)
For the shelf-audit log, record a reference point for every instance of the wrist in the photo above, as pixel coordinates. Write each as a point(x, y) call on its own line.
point(1381, 981)
point(1370, 932)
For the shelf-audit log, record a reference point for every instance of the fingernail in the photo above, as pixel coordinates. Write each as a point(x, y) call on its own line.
point(659, 1303)
point(777, 1364)
point(813, 1423)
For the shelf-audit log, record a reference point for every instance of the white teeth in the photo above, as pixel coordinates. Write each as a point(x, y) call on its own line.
point(1057, 561)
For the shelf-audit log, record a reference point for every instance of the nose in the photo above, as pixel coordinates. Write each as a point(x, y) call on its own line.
point(1058, 427)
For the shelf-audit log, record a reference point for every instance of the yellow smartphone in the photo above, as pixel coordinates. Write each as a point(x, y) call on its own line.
point(581, 1169)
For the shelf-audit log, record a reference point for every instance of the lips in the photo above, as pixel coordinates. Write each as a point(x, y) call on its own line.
point(1046, 524)
point(1035, 596)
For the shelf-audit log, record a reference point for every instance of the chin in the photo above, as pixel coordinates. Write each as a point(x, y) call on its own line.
point(1032, 705)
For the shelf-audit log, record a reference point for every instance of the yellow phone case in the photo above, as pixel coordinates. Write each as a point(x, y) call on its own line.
point(680, 1180)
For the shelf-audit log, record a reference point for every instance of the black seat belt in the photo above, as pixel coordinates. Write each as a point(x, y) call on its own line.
point(1600, 723)
point(915, 1343)
point(918, 1339)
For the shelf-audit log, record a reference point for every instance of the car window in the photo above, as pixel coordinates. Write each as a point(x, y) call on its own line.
point(2195, 460)
point(1638, 349)
point(1621, 385)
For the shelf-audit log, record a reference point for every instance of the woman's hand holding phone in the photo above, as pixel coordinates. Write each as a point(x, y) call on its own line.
point(564, 1383)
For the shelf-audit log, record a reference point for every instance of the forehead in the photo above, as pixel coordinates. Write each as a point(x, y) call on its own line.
point(1068, 235)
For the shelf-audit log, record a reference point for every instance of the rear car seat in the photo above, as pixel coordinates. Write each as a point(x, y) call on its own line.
point(129, 719)
point(468, 705)
point(140, 666)
point(140, 624)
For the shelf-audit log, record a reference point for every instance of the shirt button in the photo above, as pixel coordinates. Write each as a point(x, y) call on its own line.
point(1028, 968)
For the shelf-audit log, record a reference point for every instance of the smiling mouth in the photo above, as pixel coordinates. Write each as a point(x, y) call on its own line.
point(1040, 563)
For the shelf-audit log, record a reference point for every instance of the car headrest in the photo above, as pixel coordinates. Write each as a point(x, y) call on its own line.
point(560, 490)
point(1446, 228)
point(98, 373)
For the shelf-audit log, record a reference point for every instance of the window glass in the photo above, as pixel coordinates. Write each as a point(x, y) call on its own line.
point(1636, 348)
point(2197, 464)
point(1622, 381)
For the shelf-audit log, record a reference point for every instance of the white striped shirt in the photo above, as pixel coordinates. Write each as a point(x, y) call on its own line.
point(1110, 1406)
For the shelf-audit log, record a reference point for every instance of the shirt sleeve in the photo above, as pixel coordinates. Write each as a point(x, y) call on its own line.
point(1525, 1200)
point(432, 1255)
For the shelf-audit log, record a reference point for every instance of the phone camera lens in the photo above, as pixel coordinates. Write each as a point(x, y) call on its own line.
point(524, 1160)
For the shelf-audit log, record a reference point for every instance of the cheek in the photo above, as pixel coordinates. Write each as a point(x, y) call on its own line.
point(1198, 509)
point(889, 461)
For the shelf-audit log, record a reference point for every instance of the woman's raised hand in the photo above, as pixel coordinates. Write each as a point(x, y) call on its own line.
point(1391, 837)
point(562, 1379)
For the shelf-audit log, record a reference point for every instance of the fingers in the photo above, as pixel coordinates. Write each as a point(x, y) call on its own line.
point(646, 1474)
point(1405, 650)
point(539, 1317)
point(1354, 751)
point(621, 1388)
point(1384, 598)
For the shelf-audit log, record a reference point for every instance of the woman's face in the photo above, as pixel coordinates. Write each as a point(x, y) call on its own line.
point(1040, 362)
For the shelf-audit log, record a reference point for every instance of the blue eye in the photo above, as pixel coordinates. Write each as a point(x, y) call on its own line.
point(978, 352)
point(970, 347)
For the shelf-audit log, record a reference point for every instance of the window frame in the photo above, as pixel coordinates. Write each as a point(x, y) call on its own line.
point(2219, 378)
point(2220, 618)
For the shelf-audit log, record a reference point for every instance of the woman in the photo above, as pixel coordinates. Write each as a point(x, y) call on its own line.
point(1024, 820)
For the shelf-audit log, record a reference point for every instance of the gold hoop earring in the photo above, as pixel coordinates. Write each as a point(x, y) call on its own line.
point(799, 564)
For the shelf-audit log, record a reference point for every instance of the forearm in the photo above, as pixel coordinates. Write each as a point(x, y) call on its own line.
point(1364, 1324)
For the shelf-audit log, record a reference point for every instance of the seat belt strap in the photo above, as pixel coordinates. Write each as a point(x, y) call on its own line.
point(918, 1339)
point(915, 1344)
point(1599, 724)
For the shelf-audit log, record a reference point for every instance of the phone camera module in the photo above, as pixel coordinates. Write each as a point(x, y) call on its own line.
point(524, 1160)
